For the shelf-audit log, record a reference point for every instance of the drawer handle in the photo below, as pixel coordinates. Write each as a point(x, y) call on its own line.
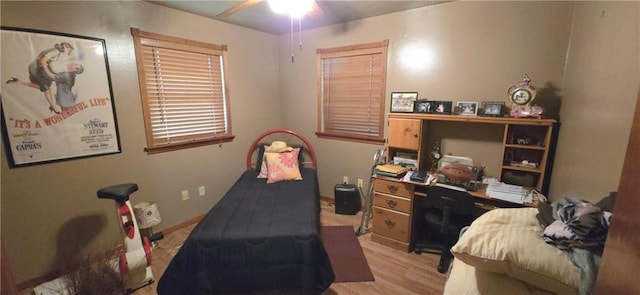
point(389, 223)
point(392, 203)
point(392, 188)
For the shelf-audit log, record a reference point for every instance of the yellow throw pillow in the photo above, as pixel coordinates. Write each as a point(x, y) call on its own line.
point(283, 166)
point(277, 147)
point(509, 242)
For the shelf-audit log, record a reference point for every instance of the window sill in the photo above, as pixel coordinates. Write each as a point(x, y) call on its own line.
point(377, 141)
point(186, 145)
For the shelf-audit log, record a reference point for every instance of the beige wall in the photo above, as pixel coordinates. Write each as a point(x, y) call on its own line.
point(49, 210)
point(599, 95)
point(479, 48)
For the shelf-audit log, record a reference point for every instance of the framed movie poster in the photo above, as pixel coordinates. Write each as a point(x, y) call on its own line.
point(56, 95)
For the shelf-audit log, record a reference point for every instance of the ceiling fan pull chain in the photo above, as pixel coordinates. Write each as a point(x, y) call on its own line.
point(300, 32)
point(291, 18)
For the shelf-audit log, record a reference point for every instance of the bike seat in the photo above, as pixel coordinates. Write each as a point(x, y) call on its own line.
point(120, 193)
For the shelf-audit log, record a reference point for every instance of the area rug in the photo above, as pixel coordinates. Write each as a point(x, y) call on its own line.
point(346, 256)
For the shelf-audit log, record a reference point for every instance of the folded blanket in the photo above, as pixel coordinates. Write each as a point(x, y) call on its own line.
point(577, 224)
point(579, 228)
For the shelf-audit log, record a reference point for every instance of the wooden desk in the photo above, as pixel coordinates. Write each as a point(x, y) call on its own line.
point(396, 208)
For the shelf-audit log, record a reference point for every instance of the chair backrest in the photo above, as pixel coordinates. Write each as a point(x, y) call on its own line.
point(459, 202)
point(450, 202)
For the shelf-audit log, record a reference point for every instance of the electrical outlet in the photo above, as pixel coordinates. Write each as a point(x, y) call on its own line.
point(185, 195)
point(360, 182)
point(345, 179)
point(201, 190)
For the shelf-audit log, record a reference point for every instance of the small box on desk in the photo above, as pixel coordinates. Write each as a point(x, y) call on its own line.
point(347, 199)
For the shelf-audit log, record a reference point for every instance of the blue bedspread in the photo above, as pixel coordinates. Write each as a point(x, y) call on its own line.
point(258, 237)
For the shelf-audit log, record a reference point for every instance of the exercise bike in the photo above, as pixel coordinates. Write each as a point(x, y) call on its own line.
point(135, 262)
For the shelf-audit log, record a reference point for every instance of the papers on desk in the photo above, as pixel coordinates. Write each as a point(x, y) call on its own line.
point(506, 192)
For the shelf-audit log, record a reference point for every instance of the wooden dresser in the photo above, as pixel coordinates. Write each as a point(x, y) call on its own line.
point(393, 207)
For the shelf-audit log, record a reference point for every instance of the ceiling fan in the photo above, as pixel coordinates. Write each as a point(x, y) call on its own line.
point(294, 8)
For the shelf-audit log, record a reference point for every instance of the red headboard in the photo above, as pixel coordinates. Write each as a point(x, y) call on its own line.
point(285, 135)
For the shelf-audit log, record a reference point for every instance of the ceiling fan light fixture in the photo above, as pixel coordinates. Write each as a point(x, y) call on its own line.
point(294, 8)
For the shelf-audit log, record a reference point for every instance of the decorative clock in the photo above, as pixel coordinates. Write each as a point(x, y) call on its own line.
point(521, 97)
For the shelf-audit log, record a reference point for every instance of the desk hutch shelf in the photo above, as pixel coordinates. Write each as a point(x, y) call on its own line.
point(397, 209)
point(524, 139)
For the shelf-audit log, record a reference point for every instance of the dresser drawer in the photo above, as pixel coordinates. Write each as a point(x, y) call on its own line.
point(392, 202)
point(393, 187)
point(395, 244)
point(391, 224)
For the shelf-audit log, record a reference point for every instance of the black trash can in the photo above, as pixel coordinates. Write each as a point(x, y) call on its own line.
point(347, 199)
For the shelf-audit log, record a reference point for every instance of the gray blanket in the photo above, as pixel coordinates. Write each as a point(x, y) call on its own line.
point(579, 228)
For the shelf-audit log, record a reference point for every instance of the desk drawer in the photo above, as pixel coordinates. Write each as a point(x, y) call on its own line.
point(394, 188)
point(392, 202)
point(391, 224)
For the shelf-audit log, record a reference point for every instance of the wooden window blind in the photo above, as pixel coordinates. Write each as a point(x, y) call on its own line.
point(183, 89)
point(351, 84)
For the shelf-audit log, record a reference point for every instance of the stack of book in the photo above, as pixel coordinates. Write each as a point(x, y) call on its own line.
point(391, 170)
point(506, 192)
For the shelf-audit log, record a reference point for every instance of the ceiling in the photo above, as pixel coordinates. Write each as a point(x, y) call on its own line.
point(260, 17)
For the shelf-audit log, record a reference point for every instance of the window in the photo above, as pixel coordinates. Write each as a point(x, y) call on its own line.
point(185, 99)
point(351, 87)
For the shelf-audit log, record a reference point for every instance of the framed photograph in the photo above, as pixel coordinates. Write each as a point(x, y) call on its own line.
point(423, 106)
point(468, 108)
point(402, 102)
point(442, 107)
point(493, 108)
point(57, 102)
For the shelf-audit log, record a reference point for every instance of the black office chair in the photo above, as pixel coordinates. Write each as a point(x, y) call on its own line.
point(447, 212)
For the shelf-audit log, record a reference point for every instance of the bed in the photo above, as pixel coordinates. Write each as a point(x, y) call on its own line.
point(512, 251)
point(263, 234)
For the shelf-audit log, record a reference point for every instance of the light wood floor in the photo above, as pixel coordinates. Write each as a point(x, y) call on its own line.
point(395, 272)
